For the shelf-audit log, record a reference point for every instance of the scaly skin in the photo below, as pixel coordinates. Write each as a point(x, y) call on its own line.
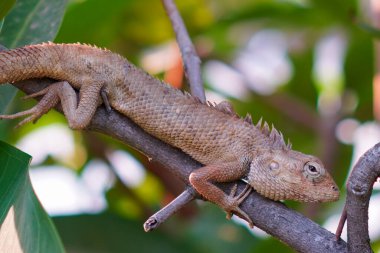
point(230, 148)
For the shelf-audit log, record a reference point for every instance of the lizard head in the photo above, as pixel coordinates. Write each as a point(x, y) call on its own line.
point(283, 174)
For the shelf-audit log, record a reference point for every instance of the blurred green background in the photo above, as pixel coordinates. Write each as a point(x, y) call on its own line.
point(304, 65)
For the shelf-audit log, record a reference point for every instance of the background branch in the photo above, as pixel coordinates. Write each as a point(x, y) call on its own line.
point(375, 16)
point(191, 61)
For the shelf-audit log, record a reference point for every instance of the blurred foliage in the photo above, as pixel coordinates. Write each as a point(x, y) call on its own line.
point(26, 24)
point(220, 29)
point(209, 232)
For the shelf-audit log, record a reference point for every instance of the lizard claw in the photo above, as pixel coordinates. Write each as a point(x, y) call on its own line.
point(235, 203)
point(103, 94)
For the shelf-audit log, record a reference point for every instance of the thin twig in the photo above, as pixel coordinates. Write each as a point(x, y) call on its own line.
point(161, 216)
point(342, 222)
point(190, 58)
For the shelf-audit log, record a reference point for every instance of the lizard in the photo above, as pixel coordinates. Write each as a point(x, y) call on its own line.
point(229, 147)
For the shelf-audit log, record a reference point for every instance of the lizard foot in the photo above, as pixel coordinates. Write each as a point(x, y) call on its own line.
point(235, 201)
point(44, 105)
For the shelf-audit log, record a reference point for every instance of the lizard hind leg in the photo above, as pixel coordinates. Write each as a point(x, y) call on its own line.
point(78, 114)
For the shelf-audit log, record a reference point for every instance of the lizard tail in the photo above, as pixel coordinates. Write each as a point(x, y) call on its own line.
point(28, 62)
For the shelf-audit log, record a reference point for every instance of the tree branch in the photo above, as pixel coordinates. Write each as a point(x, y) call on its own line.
point(190, 58)
point(276, 219)
point(359, 189)
point(292, 228)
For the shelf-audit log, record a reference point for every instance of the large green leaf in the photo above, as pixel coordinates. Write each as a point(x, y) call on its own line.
point(32, 21)
point(25, 225)
point(29, 22)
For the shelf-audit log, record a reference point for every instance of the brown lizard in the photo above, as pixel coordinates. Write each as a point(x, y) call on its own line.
point(230, 148)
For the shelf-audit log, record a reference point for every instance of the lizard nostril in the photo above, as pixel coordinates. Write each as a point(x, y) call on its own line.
point(334, 188)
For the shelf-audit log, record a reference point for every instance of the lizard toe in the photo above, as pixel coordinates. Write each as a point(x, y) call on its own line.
point(244, 194)
point(240, 213)
point(229, 215)
point(235, 201)
point(37, 94)
point(24, 121)
point(233, 191)
point(17, 115)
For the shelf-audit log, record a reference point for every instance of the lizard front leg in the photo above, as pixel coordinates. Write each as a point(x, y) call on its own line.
point(203, 180)
point(78, 114)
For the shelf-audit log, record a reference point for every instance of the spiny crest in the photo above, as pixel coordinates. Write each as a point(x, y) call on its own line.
point(46, 43)
point(49, 43)
point(248, 119)
point(224, 106)
point(274, 135)
point(92, 46)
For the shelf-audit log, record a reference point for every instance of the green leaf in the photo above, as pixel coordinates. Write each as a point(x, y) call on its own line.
point(32, 21)
point(25, 226)
point(29, 22)
point(5, 6)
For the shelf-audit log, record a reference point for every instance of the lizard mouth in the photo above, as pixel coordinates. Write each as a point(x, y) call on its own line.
point(331, 196)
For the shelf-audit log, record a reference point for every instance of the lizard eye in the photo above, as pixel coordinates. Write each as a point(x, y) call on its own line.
point(274, 165)
point(312, 171)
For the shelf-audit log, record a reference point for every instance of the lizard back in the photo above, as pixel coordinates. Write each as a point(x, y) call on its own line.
point(200, 130)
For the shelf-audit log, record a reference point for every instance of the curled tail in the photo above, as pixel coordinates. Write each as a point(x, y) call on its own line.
point(27, 62)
